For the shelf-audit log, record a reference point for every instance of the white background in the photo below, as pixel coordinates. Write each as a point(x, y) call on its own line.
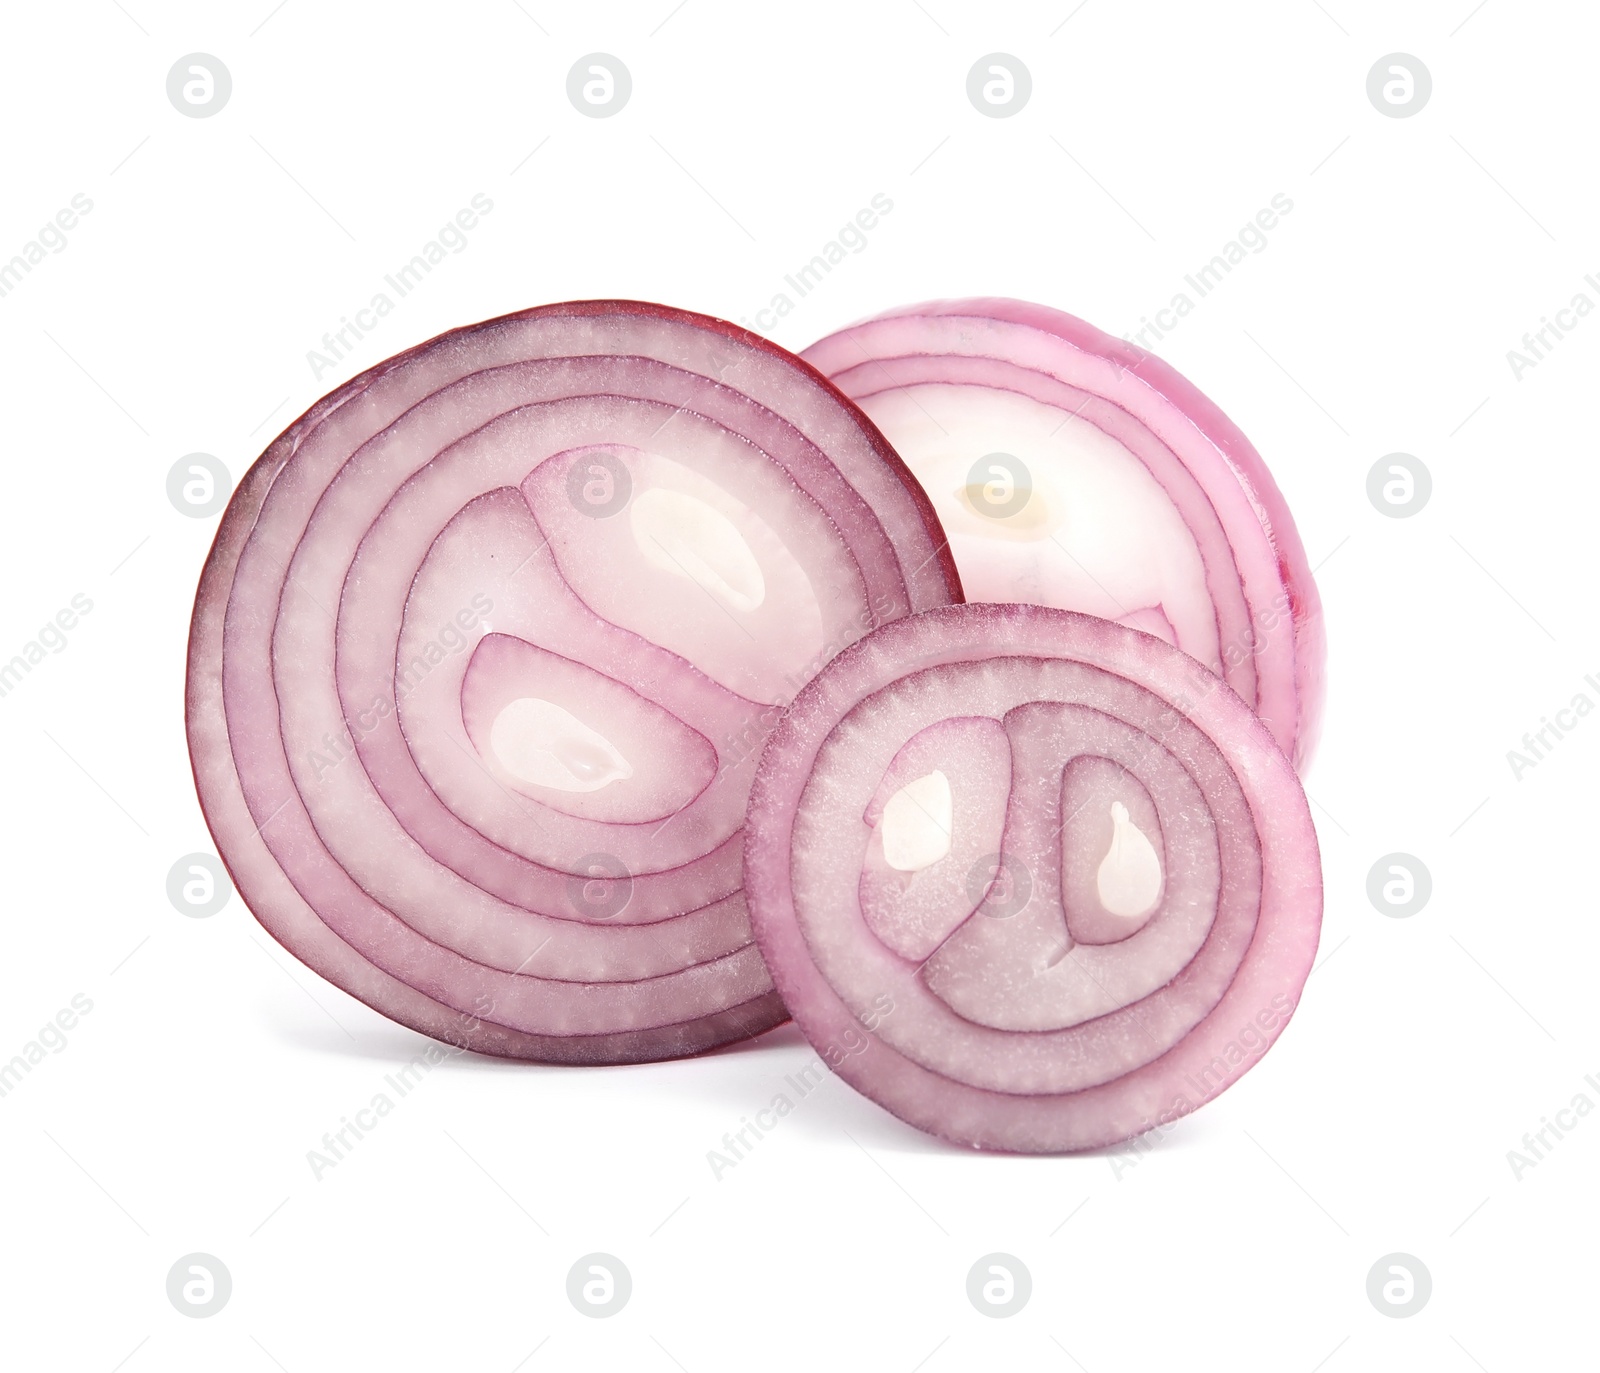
point(1378, 319)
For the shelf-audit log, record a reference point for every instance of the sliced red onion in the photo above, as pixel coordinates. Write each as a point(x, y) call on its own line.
point(485, 652)
point(1073, 469)
point(1029, 879)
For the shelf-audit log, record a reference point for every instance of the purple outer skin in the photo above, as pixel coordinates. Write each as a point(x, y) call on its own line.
point(255, 872)
point(1280, 954)
point(1310, 635)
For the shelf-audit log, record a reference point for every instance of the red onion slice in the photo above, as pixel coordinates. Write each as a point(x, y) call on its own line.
point(1029, 879)
point(1073, 469)
point(485, 652)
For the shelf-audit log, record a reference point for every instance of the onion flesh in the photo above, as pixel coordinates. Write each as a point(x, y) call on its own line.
point(485, 651)
point(1075, 470)
point(1124, 913)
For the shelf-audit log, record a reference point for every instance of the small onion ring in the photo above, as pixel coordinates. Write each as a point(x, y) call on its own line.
point(1018, 1000)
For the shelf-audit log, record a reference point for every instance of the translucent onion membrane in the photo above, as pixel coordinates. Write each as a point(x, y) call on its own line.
point(1075, 470)
point(485, 652)
point(1033, 881)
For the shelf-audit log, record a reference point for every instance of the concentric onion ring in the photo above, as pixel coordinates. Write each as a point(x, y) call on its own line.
point(485, 652)
point(1075, 470)
point(1029, 879)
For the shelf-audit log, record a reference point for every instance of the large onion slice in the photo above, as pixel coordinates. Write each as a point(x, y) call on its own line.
point(1030, 879)
point(1073, 469)
point(485, 652)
